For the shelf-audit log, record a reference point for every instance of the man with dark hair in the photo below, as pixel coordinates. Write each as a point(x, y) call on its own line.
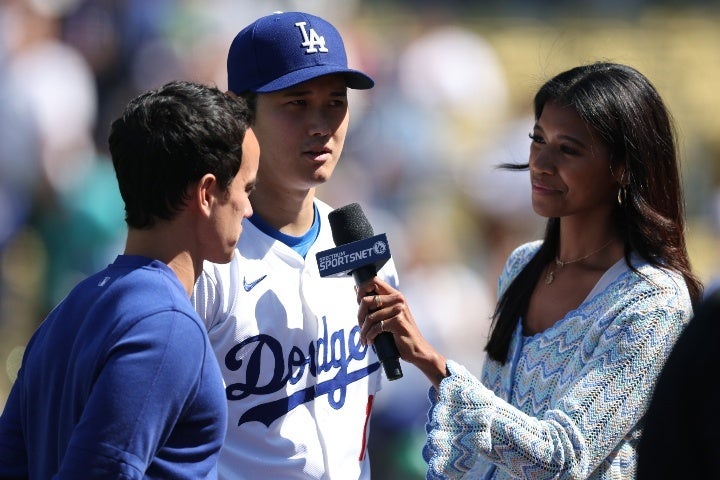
point(120, 381)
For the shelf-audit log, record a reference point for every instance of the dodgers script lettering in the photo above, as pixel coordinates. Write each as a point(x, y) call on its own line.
point(330, 352)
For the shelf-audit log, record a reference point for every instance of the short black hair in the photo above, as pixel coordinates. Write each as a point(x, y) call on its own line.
point(167, 139)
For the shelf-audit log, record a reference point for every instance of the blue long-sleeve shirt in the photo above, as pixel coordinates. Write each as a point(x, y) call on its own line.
point(118, 382)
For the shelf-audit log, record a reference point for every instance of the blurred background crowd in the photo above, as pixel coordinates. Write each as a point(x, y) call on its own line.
point(454, 83)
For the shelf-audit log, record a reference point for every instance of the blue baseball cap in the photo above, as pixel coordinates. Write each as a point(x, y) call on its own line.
point(286, 48)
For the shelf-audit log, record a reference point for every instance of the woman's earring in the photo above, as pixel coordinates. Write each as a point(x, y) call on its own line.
point(622, 195)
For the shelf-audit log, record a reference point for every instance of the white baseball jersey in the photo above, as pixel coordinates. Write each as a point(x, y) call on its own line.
point(298, 381)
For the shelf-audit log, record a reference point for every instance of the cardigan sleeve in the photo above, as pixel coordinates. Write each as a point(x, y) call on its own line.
point(590, 414)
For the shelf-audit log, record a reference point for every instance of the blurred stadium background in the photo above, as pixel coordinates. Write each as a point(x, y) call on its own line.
point(454, 81)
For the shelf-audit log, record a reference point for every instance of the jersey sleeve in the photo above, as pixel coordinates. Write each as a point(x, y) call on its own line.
point(148, 380)
point(601, 404)
point(206, 297)
point(389, 273)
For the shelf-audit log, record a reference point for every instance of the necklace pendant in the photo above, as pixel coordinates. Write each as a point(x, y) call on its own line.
point(549, 277)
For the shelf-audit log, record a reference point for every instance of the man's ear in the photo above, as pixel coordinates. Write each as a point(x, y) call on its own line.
point(206, 193)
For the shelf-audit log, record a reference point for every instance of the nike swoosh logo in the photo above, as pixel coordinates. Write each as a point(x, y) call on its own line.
point(250, 285)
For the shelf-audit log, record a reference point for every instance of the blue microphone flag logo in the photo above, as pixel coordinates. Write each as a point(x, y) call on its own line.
point(344, 259)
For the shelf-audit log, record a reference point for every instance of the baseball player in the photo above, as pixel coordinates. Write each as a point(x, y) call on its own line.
point(299, 383)
point(120, 381)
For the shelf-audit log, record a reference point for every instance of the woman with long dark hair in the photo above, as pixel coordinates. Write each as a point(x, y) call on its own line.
point(587, 316)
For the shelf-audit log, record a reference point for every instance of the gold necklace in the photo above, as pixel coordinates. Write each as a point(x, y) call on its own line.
point(550, 276)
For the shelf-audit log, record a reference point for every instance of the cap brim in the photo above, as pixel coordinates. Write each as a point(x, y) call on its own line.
point(353, 78)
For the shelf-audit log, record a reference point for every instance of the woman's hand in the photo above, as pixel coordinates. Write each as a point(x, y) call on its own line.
point(384, 309)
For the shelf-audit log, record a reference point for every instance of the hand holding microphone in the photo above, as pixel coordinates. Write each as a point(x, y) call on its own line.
point(383, 310)
point(361, 253)
point(384, 315)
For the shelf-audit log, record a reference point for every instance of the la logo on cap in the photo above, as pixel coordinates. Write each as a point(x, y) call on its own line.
point(311, 40)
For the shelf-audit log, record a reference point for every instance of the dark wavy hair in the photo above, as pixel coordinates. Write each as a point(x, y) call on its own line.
point(626, 110)
point(167, 139)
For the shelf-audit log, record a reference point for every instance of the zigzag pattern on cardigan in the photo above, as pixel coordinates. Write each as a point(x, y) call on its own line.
point(568, 402)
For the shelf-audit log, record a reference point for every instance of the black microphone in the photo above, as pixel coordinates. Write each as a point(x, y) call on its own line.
point(348, 225)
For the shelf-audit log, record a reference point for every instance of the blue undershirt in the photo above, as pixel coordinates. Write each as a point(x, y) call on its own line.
point(300, 244)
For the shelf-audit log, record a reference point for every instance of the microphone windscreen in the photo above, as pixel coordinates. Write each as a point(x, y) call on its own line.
point(349, 224)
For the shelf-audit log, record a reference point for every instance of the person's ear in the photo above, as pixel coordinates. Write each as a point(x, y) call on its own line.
point(618, 173)
point(206, 193)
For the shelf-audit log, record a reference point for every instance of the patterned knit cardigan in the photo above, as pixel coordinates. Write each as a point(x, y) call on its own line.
point(569, 401)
